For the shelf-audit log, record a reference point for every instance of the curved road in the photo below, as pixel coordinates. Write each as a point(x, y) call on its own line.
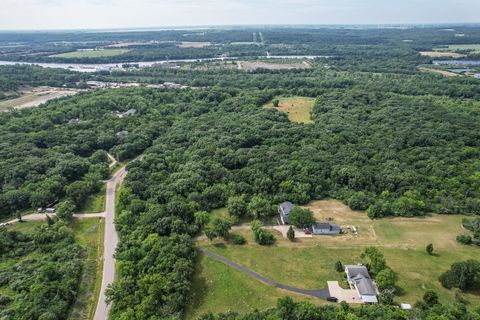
point(322, 293)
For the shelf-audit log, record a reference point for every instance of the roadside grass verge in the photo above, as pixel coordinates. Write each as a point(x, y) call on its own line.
point(95, 203)
point(89, 232)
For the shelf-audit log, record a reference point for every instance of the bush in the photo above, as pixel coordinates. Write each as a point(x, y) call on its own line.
point(430, 298)
point(462, 275)
point(291, 234)
point(464, 239)
point(339, 266)
point(264, 237)
point(238, 239)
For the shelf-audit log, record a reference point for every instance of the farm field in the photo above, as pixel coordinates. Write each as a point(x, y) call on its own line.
point(91, 54)
point(444, 73)
point(254, 65)
point(194, 44)
point(441, 54)
point(297, 108)
point(309, 263)
point(461, 47)
point(36, 97)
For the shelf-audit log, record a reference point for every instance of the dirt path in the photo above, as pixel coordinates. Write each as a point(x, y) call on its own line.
point(321, 294)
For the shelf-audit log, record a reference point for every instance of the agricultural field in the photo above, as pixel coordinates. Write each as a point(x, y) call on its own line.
point(254, 65)
point(472, 48)
point(441, 54)
point(91, 54)
point(444, 73)
point(194, 44)
point(297, 108)
point(309, 263)
point(35, 97)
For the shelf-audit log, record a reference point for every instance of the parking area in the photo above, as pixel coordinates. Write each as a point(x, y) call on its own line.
point(298, 233)
point(347, 295)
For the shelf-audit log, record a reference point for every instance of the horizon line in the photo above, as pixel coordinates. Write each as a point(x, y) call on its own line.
point(217, 26)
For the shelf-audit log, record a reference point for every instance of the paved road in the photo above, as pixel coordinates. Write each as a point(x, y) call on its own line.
point(321, 294)
point(110, 244)
point(43, 216)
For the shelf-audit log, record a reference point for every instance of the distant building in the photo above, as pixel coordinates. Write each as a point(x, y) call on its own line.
point(122, 134)
point(360, 280)
point(74, 121)
point(126, 113)
point(325, 228)
point(406, 306)
point(477, 75)
point(284, 209)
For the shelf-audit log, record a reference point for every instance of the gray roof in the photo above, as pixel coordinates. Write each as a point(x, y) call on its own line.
point(360, 276)
point(286, 206)
point(131, 111)
point(326, 226)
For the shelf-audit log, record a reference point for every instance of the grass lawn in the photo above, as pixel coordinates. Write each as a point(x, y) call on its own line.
point(218, 288)
point(95, 203)
point(309, 263)
point(89, 232)
point(91, 54)
point(297, 108)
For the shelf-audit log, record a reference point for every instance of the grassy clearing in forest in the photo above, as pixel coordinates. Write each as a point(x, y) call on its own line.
point(298, 109)
point(309, 263)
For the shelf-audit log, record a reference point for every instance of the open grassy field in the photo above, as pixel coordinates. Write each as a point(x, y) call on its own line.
point(441, 54)
point(95, 203)
point(297, 108)
point(475, 48)
point(278, 65)
point(309, 263)
point(218, 288)
point(91, 54)
point(444, 73)
point(35, 97)
point(194, 44)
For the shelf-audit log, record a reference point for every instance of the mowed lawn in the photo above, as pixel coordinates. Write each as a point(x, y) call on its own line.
point(91, 54)
point(297, 108)
point(89, 233)
point(309, 263)
point(217, 288)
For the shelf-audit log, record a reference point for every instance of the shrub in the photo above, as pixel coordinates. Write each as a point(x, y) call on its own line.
point(464, 239)
point(291, 234)
point(238, 239)
point(430, 298)
point(429, 249)
point(339, 266)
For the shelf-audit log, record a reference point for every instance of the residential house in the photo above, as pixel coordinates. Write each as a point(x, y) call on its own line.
point(284, 209)
point(360, 280)
point(320, 228)
point(74, 121)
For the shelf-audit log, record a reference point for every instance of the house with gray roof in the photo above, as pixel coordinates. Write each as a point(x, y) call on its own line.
point(284, 209)
point(359, 279)
point(320, 228)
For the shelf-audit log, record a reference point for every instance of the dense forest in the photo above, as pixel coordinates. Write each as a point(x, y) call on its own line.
point(384, 138)
point(39, 273)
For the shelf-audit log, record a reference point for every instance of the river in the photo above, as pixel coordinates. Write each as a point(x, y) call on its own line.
point(89, 67)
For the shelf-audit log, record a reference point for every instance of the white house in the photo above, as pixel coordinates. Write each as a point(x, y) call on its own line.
point(359, 278)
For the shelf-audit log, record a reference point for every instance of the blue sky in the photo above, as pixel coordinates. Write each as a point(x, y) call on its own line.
point(94, 14)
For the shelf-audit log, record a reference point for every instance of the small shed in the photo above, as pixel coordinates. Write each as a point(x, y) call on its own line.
point(320, 228)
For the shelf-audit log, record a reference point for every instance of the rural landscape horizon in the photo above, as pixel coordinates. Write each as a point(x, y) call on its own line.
point(242, 160)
